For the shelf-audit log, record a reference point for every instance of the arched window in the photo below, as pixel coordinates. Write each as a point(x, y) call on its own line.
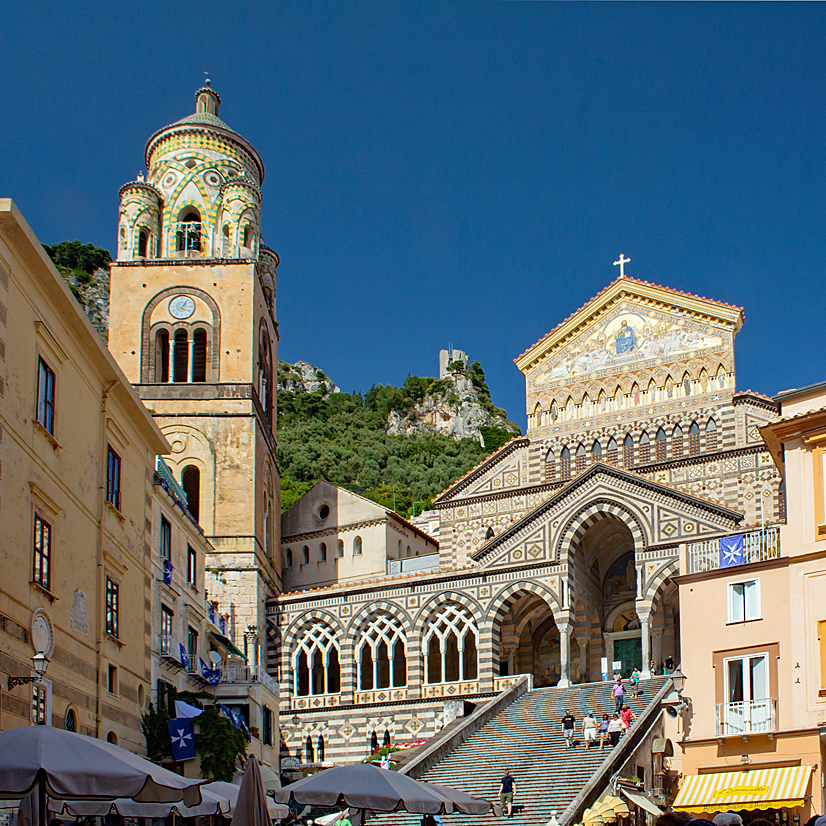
point(199, 355)
point(162, 356)
point(381, 654)
point(450, 644)
point(645, 448)
point(686, 385)
point(489, 533)
point(628, 451)
point(309, 755)
point(71, 720)
point(247, 237)
point(188, 232)
point(408, 550)
point(305, 555)
point(565, 464)
point(340, 548)
point(550, 466)
point(191, 483)
point(322, 552)
point(267, 528)
point(316, 661)
point(225, 242)
point(581, 458)
point(265, 372)
point(596, 451)
point(612, 451)
point(143, 243)
point(677, 442)
point(711, 436)
point(320, 748)
point(180, 357)
point(357, 546)
point(693, 440)
point(659, 445)
point(400, 550)
point(288, 558)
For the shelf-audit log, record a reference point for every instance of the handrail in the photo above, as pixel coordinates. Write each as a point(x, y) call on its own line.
point(438, 747)
point(615, 758)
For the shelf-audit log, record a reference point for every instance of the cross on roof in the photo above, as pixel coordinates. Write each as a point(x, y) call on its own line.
point(622, 262)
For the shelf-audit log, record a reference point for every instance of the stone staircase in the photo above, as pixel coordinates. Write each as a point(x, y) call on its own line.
point(526, 737)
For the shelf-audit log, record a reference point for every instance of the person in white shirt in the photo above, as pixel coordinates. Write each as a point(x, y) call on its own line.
point(589, 729)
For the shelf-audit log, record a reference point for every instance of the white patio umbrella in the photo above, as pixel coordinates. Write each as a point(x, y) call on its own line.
point(68, 766)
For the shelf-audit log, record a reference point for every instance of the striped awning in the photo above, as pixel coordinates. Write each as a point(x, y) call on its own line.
point(751, 789)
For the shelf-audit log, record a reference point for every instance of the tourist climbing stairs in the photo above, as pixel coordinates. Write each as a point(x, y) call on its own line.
point(526, 738)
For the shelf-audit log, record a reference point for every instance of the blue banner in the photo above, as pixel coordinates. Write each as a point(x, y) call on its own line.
point(184, 655)
point(731, 551)
point(182, 734)
point(167, 572)
point(211, 675)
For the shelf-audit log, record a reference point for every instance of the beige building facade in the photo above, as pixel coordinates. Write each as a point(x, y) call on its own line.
point(78, 456)
point(753, 630)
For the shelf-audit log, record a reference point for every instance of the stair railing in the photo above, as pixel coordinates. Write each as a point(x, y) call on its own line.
point(616, 758)
point(438, 747)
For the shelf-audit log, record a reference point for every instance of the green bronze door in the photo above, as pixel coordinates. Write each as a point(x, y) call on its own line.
point(629, 653)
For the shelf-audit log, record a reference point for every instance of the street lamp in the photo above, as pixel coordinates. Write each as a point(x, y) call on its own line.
point(40, 662)
point(678, 678)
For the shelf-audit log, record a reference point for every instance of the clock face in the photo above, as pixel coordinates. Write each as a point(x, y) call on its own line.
point(182, 306)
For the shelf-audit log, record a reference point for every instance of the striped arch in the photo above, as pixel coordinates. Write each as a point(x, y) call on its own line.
point(498, 606)
point(590, 514)
point(298, 625)
point(357, 623)
point(427, 611)
point(645, 605)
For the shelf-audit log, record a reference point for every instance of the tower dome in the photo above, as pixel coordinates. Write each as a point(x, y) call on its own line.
point(202, 199)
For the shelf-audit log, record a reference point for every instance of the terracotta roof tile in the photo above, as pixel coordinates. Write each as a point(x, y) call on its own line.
point(635, 281)
point(792, 416)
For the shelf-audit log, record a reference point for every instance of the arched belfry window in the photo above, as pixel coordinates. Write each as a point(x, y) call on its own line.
point(596, 451)
point(225, 242)
point(581, 458)
point(181, 357)
point(450, 645)
point(628, 451)
point(381, 654)
point(677, 442)
point(711, 436)
point(693, 439)
point(188, 231)
point(191, 483)
point(264, 387)
point(162, 356)
point(660, 445)
point(143, 243)
point(612, 451)
point(645, 448)
point(316, 667)
point(550, 466)
point(565, 464)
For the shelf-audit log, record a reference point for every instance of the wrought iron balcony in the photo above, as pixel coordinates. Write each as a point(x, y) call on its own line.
point(746, 717)
point(248, 674)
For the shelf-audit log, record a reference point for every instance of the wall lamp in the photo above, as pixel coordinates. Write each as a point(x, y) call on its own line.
point(40, 662)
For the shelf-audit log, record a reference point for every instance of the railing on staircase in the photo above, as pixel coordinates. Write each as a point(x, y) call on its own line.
point(438, 747)
point(616, 758)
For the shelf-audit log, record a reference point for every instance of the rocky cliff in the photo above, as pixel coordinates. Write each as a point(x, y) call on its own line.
point(303, 377)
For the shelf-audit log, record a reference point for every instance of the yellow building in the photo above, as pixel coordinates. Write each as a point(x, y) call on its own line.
point(78, 453)
point(754, 640)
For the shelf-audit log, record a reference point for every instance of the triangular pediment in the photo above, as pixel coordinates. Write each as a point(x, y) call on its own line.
point(628, 323)
point(660, 516)
point(504, 470)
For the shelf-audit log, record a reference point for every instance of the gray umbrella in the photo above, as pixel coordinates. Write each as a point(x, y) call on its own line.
point(365, 786)
point(69, 766)
point(251, 806)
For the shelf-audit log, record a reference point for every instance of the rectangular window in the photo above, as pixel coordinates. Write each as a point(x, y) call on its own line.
point(42, 552)
point(40, 704)
point(113, 479)
point(166, 539)
point(192, 646)
point(45, 395)
point(267, 726)
point(112, 607)
point(744, 601)
point(191, 565)
point(166, 693)
point(167, 621)
point(113, 679)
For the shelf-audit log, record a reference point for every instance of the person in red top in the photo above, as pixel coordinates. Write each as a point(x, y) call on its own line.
point(627, 717)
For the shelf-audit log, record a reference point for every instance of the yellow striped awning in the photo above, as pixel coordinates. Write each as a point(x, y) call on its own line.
point(738, 790)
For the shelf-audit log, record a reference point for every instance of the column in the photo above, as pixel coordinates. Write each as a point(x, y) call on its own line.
point(191, 350)
point(171, 360)
point(564, 654)
point(645, 626)
point(583, 659)
point(656, 645)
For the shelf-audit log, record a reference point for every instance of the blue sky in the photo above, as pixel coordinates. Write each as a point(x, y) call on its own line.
point(462, 172)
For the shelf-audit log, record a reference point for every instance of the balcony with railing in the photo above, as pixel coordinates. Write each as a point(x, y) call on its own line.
point(757, 546)
point(234, 674)
point(745, 717)
point(169, 647)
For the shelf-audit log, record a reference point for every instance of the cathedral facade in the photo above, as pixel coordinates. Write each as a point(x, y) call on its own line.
point(558, 553)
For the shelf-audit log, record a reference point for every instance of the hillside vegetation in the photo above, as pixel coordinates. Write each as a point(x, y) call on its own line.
point(343, 438)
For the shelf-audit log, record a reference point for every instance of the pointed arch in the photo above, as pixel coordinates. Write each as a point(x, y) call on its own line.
point(693, 439)
point(645, 448)
point(703, 380)
point(596, 451)
point(660, 445)
point(628, 451)
point(581, 458)
point(677, 442)
point(602, 402)
point(554, 412)
point(550, 466)
point(565, 464)
point(586, 405)
point(711, 435)
point(619, 398)
point(569, 409)
point(651, 392)
point(669, 387)
point(721, 377)
point(537, 415)
point(611, 452)
point(686, 384)
point(636, 396)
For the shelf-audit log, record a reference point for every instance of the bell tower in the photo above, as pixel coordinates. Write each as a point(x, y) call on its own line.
point(193, 326)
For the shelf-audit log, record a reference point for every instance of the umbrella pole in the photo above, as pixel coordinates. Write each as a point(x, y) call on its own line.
point(41, 800)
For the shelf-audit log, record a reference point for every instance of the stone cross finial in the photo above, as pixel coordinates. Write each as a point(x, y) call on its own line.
point(622, 262)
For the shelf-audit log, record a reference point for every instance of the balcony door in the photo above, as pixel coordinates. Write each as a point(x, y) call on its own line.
point(748, 706)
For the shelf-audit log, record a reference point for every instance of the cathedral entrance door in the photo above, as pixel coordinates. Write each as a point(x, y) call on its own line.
point(629, 653)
